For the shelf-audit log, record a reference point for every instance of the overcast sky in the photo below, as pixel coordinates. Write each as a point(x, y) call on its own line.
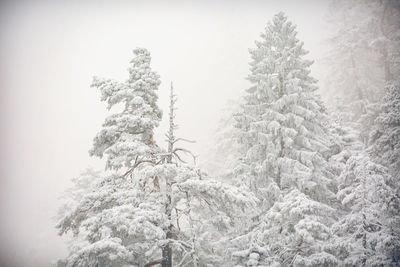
point(49, 51)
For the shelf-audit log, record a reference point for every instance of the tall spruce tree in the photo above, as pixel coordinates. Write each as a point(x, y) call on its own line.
point(286, 146)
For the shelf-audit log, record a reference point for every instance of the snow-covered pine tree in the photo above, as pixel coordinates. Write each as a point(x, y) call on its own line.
point(105, 221)
point(367, 233)
point(127, 136)
point(154, 212)
point(81, 185)
point(346, 138)
point(364, 235)
point(386, 137)
point(286, 145)
point(384, 23)
point(112, 223)
point(363, 59)
point(385, 149)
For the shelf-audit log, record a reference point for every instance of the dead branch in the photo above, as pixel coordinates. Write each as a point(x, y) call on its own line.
point(153, 263)
point(140, 162)
point(185, 151)
point(298, 250)
point(177, 219)
point(179, 158)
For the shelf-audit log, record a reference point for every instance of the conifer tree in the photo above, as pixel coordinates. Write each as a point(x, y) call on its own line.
point(364, 235)
point(386, 137)
point(286, 146)
point(385, 150)
point(155, 212)
point(81, 185)
point(127, 136)
point(112, 223)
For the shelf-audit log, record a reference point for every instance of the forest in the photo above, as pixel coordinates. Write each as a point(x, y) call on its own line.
point(291, 180)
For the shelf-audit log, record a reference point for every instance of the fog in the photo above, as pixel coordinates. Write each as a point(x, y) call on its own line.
point(49, 114)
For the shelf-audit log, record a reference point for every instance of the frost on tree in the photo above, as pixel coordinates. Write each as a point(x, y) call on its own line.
point(386, 151)
point(363, 57)
point(386, 148)
point(195, 206)
point(282, 122)
point(118, 222)
point(82, 184)
point(284, 157)
point(160, 211)
point(366, 233)
point(105, 221)
point(352, 64)
point(127, 136)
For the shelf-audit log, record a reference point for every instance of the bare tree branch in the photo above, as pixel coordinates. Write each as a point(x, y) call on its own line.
point(153, 263)
point(179, 158)
point(140, 162)
point(185, 151)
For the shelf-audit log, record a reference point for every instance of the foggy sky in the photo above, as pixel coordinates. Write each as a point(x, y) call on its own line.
point(49, 52)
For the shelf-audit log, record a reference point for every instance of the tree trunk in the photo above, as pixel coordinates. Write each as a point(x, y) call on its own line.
point(384, 51)
point(166, 256)
point(386, 64)
point(166, 250)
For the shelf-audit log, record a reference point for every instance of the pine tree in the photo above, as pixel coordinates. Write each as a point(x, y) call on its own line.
point(82, 185)
point(364, 59)
point(286, 146)
point(154, 213)
point(282, 119)
point(385, 149)
point(127, 136)
point(364, 234)
point(112, 223)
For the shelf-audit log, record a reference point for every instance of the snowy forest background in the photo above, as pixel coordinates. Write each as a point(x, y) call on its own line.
point(296, 160)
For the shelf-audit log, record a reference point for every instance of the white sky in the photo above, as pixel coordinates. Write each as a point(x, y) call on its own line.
point(50, 50)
